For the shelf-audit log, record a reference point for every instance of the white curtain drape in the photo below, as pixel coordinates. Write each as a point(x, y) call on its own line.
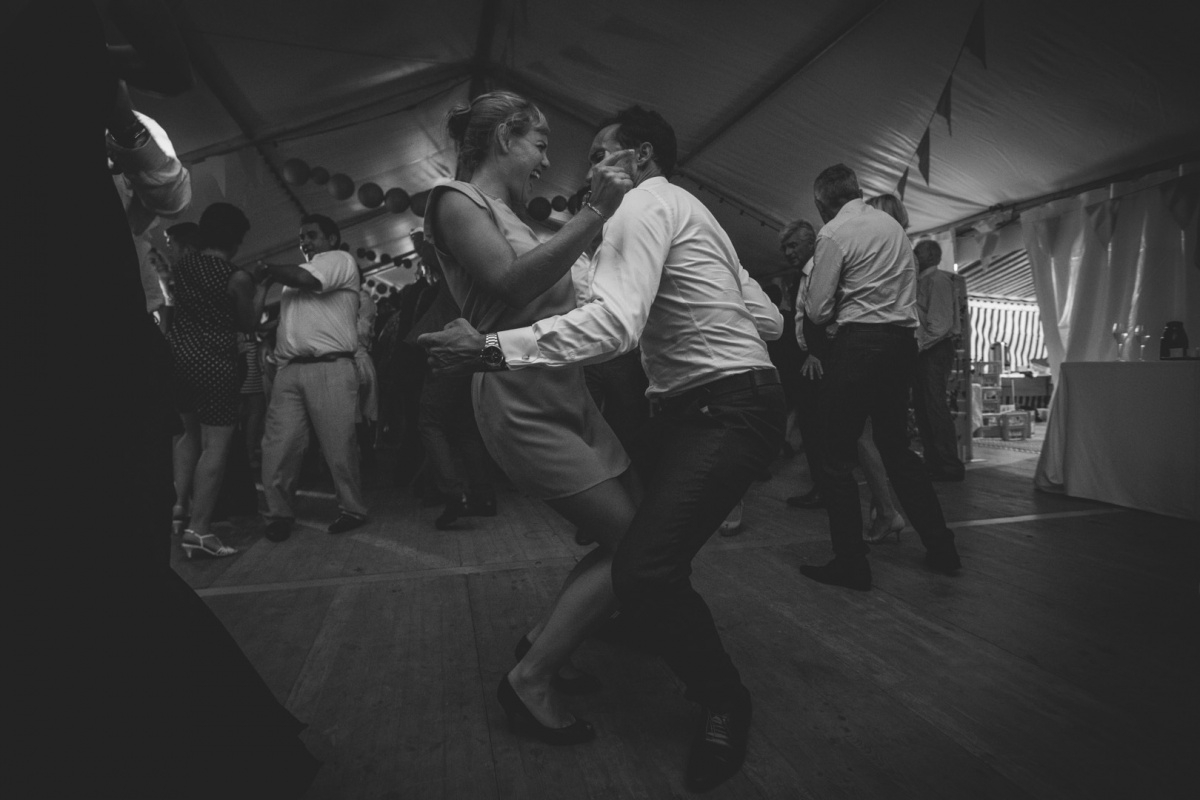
point(1127, 253)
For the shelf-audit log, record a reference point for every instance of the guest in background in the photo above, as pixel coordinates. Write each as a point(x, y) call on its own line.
point(367, 414)
point(864, 277)
point(937, 340)
point(214, 300)
point(797, 241)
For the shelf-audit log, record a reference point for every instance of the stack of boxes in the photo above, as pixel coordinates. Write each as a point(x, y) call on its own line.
point(987, 375)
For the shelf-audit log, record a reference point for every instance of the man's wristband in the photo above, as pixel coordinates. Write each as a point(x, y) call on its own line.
point(599, 213)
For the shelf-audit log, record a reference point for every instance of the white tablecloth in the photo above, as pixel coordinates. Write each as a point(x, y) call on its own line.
point(1126, 433)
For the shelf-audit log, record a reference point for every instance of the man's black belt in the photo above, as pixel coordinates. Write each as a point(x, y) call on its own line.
point(883, 327)
point(751, 379)
point(321, 359)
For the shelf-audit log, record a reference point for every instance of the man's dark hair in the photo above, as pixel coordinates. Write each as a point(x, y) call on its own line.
point(928, 253)
point(637, 125)
point(223, 226)
point(328, 227)
point(185, 234)
point(836, 186)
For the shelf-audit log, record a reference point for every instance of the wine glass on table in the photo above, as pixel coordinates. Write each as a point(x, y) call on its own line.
point(1142, 337)
point(1120, 333)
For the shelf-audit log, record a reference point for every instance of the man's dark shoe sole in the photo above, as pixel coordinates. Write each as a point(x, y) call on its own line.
point(857, 577)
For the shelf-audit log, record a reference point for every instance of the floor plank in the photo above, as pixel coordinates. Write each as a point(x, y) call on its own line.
point(1060, 663)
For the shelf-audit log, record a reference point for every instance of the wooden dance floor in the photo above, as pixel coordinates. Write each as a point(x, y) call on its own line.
point(1062, 662)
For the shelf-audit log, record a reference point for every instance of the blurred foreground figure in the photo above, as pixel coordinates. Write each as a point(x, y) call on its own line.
point(133, 687)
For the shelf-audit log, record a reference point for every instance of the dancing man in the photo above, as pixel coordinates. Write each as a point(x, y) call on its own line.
point(864, 277)
point(667, 275)
point(316, 380)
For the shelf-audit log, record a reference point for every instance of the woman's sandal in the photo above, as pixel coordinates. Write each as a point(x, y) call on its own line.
point(218, 551)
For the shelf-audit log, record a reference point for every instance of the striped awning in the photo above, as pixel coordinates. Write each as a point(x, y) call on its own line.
point(1008, 277)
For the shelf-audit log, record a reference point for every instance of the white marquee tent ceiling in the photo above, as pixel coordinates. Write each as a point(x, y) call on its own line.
point(763, 94)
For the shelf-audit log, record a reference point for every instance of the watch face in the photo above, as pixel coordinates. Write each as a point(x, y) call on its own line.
point(493, 356)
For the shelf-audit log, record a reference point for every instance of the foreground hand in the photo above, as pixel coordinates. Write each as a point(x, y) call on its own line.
point(812, 369)
point(455, 349)
point(611, 179)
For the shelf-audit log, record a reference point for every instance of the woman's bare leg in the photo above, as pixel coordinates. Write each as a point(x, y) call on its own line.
point(586, 598)
point(871, 462)
point(185, 454)
point(210, 472)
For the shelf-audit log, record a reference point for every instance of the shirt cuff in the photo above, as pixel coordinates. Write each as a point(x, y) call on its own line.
point(519, 346)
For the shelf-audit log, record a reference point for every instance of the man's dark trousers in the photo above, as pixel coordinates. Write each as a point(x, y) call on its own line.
point(874, 368)
point(932, 412)
point(703, 450)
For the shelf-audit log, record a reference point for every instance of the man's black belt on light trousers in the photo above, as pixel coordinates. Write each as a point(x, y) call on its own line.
point(751, 379)
point(883, 327)
point(321, 359)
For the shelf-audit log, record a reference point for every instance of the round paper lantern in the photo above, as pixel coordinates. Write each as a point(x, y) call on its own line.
point(370, 195)
point(559, 203)
point(539, 208)
point(319, 175)
point(574, 204)
point(296, 172)
point(384, 258)
point(370, 255)
point(340, 186)
point(418, 203)
point(406, 264)
point(361, 252)
point(397, 200)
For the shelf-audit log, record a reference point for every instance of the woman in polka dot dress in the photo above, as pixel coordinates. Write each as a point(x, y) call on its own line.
point(213, 301)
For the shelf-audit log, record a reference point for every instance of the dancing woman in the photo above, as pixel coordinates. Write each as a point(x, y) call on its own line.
point(543, 429)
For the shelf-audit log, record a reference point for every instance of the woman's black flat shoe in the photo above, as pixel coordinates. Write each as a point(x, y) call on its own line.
point(519, 716)
point(582, 683)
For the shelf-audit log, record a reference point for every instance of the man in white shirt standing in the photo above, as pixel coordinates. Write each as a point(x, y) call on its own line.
point(864, 277)
point(316, 381)
point(667, 275)
point(937, 307)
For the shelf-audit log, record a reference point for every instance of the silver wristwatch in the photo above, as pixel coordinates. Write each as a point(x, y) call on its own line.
point(491, 355)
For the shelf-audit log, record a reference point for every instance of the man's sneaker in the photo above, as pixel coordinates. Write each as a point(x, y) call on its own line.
point(719, 746)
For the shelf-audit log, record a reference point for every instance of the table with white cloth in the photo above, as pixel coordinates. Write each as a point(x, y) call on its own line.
point(1126, 433)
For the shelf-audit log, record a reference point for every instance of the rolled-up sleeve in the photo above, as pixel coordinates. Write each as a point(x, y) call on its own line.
point(768, 320)
point(155, 174)
point(821, 304)
point(628, 268)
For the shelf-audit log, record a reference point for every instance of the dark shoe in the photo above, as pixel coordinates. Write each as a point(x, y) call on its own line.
point(450, 514)
point(812, 499)
point(577, 732)
point(279, 529)
point(719, 746)
point(851, 574)
point(580, 684)
point(479, 508)
point(943, 558)
point(346, 522)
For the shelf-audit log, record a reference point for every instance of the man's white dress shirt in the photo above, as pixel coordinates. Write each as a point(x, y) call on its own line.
point(666, 275)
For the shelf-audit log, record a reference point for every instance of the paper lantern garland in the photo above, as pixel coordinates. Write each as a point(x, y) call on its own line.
point(370, 195)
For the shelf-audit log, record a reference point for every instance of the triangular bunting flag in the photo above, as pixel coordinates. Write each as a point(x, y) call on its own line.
point(903, 184)
point(976, 38)
point(923, 156)
point(943, 106)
